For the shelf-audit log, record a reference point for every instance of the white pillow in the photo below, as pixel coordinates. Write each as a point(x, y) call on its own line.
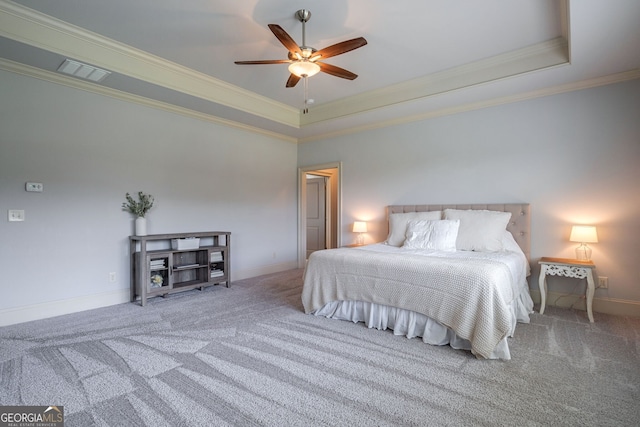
point(437, 235)
point(509, 243)
point(398, 224)
point(480, 230)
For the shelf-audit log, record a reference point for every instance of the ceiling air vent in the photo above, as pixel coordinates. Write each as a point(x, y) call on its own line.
point(84, 71)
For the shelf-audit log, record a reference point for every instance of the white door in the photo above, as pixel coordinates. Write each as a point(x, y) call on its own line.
point(316, 214)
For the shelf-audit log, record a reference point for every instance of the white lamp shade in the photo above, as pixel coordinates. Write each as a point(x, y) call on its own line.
point(304, 68)
point(359, 227)
point(584, 234)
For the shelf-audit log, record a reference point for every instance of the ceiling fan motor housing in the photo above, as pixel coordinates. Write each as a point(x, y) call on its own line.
point(303, 15)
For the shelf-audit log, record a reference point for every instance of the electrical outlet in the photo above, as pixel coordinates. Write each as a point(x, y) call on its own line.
point(603, 282)
point(15, 215)
point(112, 277)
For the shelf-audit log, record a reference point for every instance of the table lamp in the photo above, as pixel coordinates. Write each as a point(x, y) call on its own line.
point(583, 234)
point(360, 227)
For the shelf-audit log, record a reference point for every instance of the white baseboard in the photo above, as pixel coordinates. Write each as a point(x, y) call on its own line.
point(45, 310)
point(262, 270)
point(614, 306)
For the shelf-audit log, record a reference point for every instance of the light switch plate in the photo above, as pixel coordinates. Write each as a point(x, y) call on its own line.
point(15, 215)
point(34, 186)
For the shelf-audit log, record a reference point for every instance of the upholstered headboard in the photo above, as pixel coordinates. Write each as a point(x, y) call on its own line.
point(519, 226)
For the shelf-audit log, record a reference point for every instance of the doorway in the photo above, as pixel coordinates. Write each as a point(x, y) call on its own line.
point(310, 200)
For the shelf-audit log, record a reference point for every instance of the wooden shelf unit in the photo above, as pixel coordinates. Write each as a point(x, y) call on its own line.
point(159, 270)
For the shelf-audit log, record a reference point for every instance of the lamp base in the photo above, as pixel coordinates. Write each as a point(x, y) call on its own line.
point(583, 252)
point(360, 239)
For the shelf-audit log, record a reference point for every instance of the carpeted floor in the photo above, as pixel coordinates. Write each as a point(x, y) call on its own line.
point(247, 355)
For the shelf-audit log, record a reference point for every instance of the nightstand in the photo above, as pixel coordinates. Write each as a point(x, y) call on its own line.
point(567, 268)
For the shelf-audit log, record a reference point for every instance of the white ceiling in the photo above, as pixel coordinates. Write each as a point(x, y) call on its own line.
point(423, 58)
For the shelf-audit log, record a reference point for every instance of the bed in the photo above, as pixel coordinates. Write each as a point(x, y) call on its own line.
point(452, 274)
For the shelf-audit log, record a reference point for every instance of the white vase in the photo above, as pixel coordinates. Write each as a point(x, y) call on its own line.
point(141, 226)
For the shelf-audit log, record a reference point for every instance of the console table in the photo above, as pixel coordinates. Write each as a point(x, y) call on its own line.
point(167, 268)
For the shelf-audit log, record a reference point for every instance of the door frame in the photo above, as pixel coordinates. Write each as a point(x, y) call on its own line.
point(302, 207)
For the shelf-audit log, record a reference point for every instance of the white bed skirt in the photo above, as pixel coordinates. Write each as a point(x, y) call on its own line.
point(412, 324)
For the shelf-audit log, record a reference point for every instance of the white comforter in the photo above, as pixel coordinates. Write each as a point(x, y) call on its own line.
point(471, 293)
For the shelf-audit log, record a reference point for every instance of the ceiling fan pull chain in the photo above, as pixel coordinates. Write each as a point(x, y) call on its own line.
point(305, 84)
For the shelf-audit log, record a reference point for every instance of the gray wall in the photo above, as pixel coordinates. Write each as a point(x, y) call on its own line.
point(88, 151)
point(574, 157)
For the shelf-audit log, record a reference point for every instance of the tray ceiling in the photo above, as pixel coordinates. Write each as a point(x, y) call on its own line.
point(423, 58)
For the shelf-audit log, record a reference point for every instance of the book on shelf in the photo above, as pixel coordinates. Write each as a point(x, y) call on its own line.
point(216, 256)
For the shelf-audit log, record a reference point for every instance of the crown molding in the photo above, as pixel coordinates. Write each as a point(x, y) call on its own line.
point(38, 73)
point(540, 56)
point(28, 26)
point(556, 90)
point(26, 70)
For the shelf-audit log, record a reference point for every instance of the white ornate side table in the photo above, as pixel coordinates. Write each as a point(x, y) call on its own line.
point(567, 268)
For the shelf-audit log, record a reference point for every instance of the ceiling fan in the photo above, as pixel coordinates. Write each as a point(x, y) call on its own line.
point(305, 61)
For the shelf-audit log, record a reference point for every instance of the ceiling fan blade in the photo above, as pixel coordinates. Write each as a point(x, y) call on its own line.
point(264, 61)
point(285, 39)
point(340, 48)
point(293, 80)
point(336, 71)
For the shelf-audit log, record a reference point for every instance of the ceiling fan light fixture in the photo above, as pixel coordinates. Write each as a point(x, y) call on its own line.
point(304, 68)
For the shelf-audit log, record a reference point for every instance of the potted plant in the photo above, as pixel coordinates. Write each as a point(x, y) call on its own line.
point(139, 209)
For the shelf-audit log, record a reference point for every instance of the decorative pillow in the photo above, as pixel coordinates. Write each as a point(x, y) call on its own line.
point(398, 224)
point(437, 235)
point(480, 230)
